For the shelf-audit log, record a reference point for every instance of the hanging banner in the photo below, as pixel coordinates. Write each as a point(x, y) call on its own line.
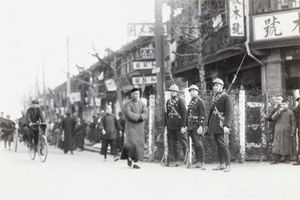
point(236, 18)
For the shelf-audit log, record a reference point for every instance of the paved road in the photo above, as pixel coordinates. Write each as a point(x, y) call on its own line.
point(85, 175)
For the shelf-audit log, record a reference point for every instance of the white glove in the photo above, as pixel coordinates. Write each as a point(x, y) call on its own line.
point(103, 132)
point(226, 130)
point(200, 130)
point(183, 130)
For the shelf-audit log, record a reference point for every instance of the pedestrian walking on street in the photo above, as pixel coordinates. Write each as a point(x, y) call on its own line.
point(176, 123)
point(135, 112)
point(296, 112)
point(194, 121)
point(68, 128)
point(110, 129)
point(8, 128)
point(80, 132)
point(285, 129)
point(22, 128)
point(219, 122)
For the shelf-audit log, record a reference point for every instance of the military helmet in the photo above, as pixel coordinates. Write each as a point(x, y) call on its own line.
point(217, 80)
point(193, 87)
point(174, 88)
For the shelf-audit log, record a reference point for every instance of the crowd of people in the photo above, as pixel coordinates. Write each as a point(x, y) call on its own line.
point(125, 134)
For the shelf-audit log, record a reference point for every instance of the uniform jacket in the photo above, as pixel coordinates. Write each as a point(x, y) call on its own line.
point(195, 114)
point(224, 104)
point(176, 113)
point(33, 115)
point(285, 126)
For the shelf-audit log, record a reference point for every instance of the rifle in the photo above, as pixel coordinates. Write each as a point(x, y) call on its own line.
point(235, 75)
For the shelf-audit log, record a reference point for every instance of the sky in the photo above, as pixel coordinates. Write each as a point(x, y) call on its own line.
point(34, 36)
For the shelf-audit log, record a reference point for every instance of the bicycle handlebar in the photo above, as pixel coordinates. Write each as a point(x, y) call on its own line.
point(38, 123)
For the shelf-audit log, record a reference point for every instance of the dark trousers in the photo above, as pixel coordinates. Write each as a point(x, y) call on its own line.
point(33, 135)
point(175, 137)
point(198, 144)
point(105, 143)
point(223, 150)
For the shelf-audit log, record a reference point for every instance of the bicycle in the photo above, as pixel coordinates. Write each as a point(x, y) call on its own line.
point(42, 146)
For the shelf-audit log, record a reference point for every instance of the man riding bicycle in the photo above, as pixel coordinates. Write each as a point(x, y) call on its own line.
point(33, 115)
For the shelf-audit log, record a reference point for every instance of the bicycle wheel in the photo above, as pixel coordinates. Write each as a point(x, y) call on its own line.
point(31, 150)
point(42, 148)
point(16, 138)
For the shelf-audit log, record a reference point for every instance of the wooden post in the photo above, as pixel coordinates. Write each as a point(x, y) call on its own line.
point(242, 126)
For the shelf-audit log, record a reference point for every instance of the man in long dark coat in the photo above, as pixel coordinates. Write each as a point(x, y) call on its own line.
point(68, 126)
point(219, 123)
point(279, 99)
point(285, 129)
point(135, 113)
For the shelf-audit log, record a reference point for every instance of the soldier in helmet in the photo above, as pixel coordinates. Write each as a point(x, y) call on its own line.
point(194, 120)
point(176, 123)
point(219, 122)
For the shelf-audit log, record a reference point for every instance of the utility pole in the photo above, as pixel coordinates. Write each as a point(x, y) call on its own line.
point(44, 87)
point(159, 59)
point(68, 76)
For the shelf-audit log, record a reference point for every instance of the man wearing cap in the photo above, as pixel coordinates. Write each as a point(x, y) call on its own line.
point(296, 112)
point(219, 123)
point(194, 120)
point(135, 112)
point(34, 114)
point(176, 123)
point(278, 99)
point(68, 127)
point(285, 129)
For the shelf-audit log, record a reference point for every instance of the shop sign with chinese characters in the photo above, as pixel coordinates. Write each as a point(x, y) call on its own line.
point(144, 65)
point(143, 29)
point(139, 80)
point(236, 19)
point(277, 25)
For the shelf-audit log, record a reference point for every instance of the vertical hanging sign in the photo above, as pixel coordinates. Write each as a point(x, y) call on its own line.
point(236, 18)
